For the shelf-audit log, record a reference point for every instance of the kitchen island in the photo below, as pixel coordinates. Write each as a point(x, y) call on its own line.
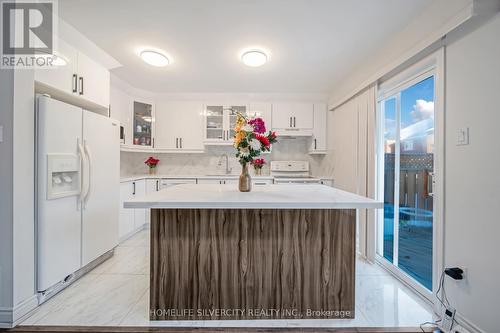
point(278, 252)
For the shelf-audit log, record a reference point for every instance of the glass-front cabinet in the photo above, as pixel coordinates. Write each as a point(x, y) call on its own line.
point(220, 121)
point(143, 124)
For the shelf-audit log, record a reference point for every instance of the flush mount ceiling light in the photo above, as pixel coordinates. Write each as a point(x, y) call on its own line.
point(254, 58)
point(154, 58)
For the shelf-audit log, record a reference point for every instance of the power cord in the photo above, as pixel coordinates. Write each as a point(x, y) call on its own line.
point(443, 300)
point(433, 323)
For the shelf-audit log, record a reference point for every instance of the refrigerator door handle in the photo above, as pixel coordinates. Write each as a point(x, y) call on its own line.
point(89, 187)
point(81, 152)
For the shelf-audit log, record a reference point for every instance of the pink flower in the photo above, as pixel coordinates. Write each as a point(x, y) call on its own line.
point(258, 125)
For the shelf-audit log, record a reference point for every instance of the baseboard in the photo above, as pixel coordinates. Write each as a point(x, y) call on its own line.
point(6, 317)
point(145, 226)
point(462, 321)
point(23, 309)
point(10, 317)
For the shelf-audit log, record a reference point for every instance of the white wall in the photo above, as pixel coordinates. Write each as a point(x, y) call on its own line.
point(206, 163)
point(24, 189)
point(472, 180)
point(6, 227)
point(428, 27)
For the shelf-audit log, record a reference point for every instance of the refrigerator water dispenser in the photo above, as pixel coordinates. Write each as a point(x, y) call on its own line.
point(63, 175)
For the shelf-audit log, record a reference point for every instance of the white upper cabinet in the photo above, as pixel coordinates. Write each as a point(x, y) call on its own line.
point(319, 137)
point(219, 123)
point(80, 77)
point(179, 126)
point(262, 110)
point(121, 109)
point(93, 80)
point(63, 78)
point(142, 124)
point(294, 119)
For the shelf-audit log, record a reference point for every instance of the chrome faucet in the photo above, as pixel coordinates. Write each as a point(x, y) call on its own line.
point(228, 169)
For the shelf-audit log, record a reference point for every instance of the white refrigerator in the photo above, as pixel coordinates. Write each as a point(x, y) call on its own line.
point(78, 189)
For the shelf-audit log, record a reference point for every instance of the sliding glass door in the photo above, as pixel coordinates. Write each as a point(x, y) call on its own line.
point(406, 164)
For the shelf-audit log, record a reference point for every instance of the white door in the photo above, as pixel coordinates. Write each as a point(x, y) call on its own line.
point(190, 126)
point(282, 115)
point(58, 220)
point(93, 81)
point(121, 109)
point(166, 125)
point(407, 156)
point(318, 143)
point(126, 226)
point(302, 115)
point(262, 110)
point(63, 78)
point(102, 196)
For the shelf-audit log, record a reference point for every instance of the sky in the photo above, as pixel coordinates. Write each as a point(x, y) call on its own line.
point(417, 103)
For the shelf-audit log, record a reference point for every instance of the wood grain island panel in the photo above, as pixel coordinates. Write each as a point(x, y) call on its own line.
point(252, 264)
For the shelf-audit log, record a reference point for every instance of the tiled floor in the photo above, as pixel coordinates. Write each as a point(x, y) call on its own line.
point(117, 293)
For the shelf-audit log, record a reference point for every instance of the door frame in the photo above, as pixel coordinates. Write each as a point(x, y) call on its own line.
point(432, 64)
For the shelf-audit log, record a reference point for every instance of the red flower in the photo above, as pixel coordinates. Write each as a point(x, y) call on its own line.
point(264, 140)
point(151, 161)
point(259, 161)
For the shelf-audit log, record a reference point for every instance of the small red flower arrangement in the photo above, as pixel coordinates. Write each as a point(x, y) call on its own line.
point(258, 163)
point(152, 162)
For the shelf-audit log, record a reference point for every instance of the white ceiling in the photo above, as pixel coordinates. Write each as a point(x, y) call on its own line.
point(314, 44)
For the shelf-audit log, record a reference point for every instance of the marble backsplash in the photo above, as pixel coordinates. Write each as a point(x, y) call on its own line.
point(208, 163)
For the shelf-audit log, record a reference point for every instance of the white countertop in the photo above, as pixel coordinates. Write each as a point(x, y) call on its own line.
point(267, 196)
point(221, 176)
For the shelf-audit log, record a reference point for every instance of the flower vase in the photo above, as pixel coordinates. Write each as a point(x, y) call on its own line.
point(258, 171)
point(245, 183)
point(152, 171)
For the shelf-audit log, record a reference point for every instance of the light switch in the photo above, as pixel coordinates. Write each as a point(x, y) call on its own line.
point(463, 136)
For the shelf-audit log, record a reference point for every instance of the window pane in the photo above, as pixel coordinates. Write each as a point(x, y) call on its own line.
point(389, 160)
point(416, 166)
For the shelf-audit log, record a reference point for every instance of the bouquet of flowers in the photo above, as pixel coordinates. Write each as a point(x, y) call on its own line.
point(152, 162)
point(251, 139)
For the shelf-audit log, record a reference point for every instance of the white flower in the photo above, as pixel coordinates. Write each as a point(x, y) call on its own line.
point(255, 144)
point(247, 128)
point(244, 152)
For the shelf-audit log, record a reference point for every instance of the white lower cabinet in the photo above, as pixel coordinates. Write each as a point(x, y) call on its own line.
point(221, 181)
point(226, 181)
point(258, 182)
point(131, 220)
point(152, 185)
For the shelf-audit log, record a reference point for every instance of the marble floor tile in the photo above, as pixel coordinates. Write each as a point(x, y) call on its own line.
point(117, 293)
point(385, 301)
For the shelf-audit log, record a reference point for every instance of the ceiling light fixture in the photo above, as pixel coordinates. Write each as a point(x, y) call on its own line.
point(254, 58)
point(154, 58)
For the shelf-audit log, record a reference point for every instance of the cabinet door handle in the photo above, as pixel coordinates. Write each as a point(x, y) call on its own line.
point(81, 85)
point(133, 191)
point(315, 144)
point(290, 121)
point(180, 142)
point(75, 83)
point(153, 142)
point(157, 185)
point(294, 124)
point(176, 142)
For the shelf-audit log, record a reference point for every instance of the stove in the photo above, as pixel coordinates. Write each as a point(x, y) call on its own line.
point(292, 172)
